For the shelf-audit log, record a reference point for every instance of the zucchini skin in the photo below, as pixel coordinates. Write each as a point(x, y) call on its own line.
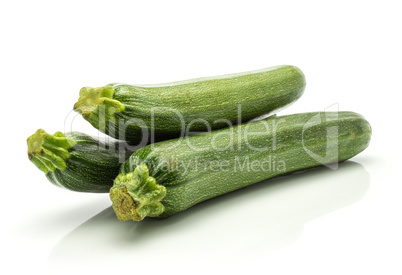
point(165, 111)
point(183, 181)
point(87, 166)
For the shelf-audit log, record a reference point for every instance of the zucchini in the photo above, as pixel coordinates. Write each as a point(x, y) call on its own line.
point(143, 114)
point(165, 178)
point(77, 161)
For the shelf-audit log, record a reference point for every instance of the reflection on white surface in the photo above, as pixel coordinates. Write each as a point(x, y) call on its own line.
point(238, 226)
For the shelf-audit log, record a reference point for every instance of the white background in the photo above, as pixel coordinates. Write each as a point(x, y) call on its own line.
point(346, 221)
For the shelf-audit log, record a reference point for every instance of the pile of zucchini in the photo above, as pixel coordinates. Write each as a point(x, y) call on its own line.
point(182, 143)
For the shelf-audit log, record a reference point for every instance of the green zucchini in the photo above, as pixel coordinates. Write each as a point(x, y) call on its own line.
point(77, 161)
point(142, 114)
point(164, 178)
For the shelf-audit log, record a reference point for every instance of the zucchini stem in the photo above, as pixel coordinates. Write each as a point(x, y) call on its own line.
point(91, 99)
point(136, 195)
point(49, 152)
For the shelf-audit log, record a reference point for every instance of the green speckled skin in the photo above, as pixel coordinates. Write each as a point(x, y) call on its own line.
point(206, 99)
point(349, 134)
point(91, 167)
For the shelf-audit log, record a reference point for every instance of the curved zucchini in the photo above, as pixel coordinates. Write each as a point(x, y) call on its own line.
point(141, 114)
point(77, 161)
point(165, 178)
